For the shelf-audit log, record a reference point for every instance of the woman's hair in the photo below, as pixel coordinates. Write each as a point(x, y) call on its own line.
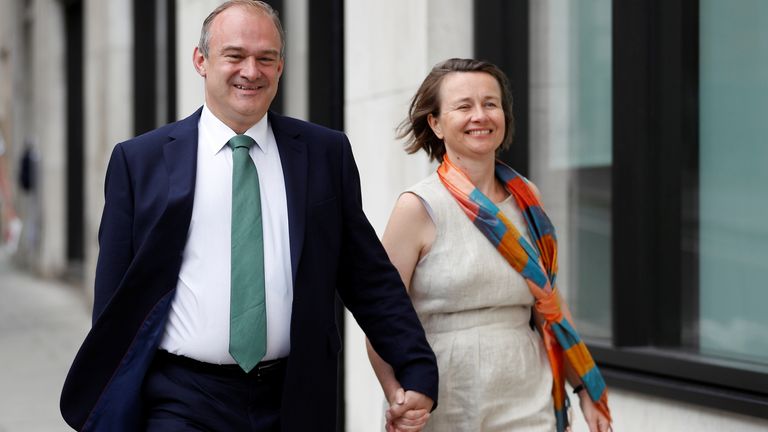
point(426, 101)
point(205, 32)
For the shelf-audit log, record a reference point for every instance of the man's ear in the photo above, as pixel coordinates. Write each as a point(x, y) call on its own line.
point(198, 60)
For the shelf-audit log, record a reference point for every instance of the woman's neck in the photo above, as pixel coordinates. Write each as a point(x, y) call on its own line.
point(482, 174)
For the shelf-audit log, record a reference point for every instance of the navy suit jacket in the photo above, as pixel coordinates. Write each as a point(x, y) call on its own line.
point(149, 192)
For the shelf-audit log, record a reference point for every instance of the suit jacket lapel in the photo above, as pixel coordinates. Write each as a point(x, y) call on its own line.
point(180, 154)
point(293, 158)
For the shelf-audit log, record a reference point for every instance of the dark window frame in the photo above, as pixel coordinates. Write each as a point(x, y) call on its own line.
point(326, 107)
point(277, 102)
point(493, 18)
point(148, 80)
point(144, 71)
point(75, 152)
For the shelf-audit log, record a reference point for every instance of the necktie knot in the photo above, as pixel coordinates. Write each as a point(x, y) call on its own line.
point(240, 141)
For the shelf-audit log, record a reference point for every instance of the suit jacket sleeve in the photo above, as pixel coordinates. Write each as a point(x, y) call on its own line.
point(115, 231)
point(372, 290)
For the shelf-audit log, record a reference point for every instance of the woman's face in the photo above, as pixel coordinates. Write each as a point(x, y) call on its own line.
point(471, 121)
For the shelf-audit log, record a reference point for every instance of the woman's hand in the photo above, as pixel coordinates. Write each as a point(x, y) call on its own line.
point(408, 411)
point(595, 419)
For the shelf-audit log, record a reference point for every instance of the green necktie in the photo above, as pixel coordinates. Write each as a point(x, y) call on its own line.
point(247, 311)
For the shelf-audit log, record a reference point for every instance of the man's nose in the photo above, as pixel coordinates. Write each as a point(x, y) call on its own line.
point(250, 68)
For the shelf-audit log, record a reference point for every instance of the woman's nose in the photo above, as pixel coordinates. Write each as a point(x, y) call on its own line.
point(478, 113)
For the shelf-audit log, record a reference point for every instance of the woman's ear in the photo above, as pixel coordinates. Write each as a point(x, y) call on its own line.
point(434, 124)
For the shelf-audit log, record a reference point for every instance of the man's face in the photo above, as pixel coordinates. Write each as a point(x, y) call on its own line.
point(243, 67)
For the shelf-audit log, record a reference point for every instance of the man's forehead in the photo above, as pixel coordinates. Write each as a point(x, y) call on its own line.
point(242, 11)
point(222, 23)
point(239, 48)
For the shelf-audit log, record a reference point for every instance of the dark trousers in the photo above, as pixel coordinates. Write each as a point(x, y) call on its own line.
point(181, 394)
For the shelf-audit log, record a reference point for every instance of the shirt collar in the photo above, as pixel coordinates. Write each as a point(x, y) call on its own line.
point(218, 133)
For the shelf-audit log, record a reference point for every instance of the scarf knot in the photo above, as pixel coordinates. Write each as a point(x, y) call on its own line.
point(548, 306)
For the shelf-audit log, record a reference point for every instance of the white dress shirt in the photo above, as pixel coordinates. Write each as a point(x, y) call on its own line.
point(198, 324)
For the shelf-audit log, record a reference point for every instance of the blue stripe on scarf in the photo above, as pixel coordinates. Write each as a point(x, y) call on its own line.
point(540, 221)
point(594, 383)
point(483, 201)
point(488, 231)
point(561, 417)
point(505, 173)
point(565, 339)
point(533, 272)
point(532, 251)
point(487, 222)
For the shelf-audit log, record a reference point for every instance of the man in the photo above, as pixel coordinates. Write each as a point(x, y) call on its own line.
point(161, 353)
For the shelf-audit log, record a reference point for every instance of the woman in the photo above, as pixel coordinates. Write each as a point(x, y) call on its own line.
point(478, 255)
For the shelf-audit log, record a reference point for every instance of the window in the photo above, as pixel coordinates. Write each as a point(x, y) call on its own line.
point(689, 103)
point(570, 148)
point(733, 197)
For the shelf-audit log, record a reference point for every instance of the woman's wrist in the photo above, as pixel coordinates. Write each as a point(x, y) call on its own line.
point(578, 389)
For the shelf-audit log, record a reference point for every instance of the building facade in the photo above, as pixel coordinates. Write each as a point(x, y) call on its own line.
point(642, 123)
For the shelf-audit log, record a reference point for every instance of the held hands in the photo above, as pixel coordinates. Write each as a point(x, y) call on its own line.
point(408, 411)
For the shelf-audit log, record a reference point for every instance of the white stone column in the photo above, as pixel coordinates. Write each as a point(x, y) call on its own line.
point(109, 60)
point(389, 49)
point(190, 15)
point(18, 120)
point(295, 80)
point(49, 132)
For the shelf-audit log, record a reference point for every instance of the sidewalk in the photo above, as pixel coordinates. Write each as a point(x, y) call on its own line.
point(42, 324)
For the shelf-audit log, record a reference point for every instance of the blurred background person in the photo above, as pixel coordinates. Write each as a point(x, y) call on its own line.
point(11, 224)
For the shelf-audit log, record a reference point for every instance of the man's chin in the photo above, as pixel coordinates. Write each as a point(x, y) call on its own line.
point(250, 116)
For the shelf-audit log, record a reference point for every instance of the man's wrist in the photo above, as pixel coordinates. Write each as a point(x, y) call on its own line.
point(425, 397)
point(390, 393)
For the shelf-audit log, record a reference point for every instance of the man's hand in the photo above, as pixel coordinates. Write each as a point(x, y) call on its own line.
point(408, 411)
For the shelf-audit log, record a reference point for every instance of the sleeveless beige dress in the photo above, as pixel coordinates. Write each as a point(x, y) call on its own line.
point(476, 309)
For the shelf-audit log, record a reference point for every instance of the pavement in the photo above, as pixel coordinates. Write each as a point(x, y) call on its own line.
point(42, 323)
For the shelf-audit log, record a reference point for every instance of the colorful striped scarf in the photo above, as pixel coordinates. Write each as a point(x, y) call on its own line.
point(538, 265)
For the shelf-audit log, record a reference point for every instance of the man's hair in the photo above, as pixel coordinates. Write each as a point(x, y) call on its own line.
point(205, 32)
point(426, 101)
